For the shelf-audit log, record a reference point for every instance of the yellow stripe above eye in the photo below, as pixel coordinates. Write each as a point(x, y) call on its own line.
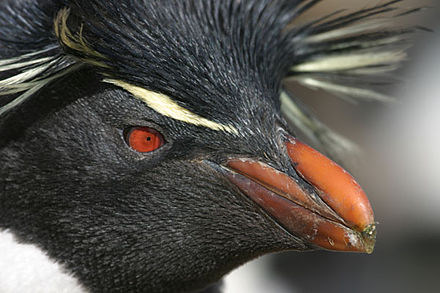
point(167, 107)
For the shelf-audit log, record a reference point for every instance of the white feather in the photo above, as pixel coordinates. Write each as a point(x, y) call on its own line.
point(25, 56)
point(25, 268)
point(25, 63)
point(337, 146)
point(25, 76)
point(342, 89)
point(351, 61)
point(31, 88)
point(363, 27)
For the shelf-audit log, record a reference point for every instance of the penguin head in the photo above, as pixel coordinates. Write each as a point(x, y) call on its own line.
point(155, 155)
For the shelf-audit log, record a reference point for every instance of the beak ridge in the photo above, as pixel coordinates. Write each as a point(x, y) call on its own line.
point(335, 185)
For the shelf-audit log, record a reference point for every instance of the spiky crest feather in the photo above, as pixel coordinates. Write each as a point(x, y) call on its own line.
point(336, 53)
point(33, 58)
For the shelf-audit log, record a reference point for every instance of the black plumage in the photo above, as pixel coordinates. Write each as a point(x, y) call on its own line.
point(164, 221)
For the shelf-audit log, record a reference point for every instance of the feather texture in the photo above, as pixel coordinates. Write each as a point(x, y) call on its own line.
point(342, 53)
point(32, 57)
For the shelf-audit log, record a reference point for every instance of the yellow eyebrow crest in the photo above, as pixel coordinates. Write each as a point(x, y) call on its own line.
point(167, 107)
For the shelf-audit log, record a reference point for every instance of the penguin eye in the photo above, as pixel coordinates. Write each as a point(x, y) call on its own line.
point(144, 139)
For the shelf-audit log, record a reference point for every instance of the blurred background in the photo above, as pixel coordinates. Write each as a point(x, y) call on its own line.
point(399, 170)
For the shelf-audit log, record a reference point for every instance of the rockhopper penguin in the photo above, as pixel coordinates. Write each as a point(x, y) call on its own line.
point(146, 145)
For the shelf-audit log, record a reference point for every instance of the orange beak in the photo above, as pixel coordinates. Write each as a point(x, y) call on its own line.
point(331, 211)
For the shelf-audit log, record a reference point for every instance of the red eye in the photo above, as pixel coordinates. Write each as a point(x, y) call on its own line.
point(144, 139)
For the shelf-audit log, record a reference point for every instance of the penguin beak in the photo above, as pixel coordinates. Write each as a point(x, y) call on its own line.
point(329, 210)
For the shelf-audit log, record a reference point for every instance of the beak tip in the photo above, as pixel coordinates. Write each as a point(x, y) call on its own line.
point(369, 237)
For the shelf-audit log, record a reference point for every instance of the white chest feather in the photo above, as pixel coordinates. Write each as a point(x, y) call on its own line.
point(25, 268)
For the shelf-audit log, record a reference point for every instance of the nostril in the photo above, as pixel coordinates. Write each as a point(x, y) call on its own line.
point(281, 131)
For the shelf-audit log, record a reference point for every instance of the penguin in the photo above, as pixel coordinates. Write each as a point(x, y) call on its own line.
point(152, 146)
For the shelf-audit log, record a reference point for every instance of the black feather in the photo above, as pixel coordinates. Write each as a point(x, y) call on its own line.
point(123, 221)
